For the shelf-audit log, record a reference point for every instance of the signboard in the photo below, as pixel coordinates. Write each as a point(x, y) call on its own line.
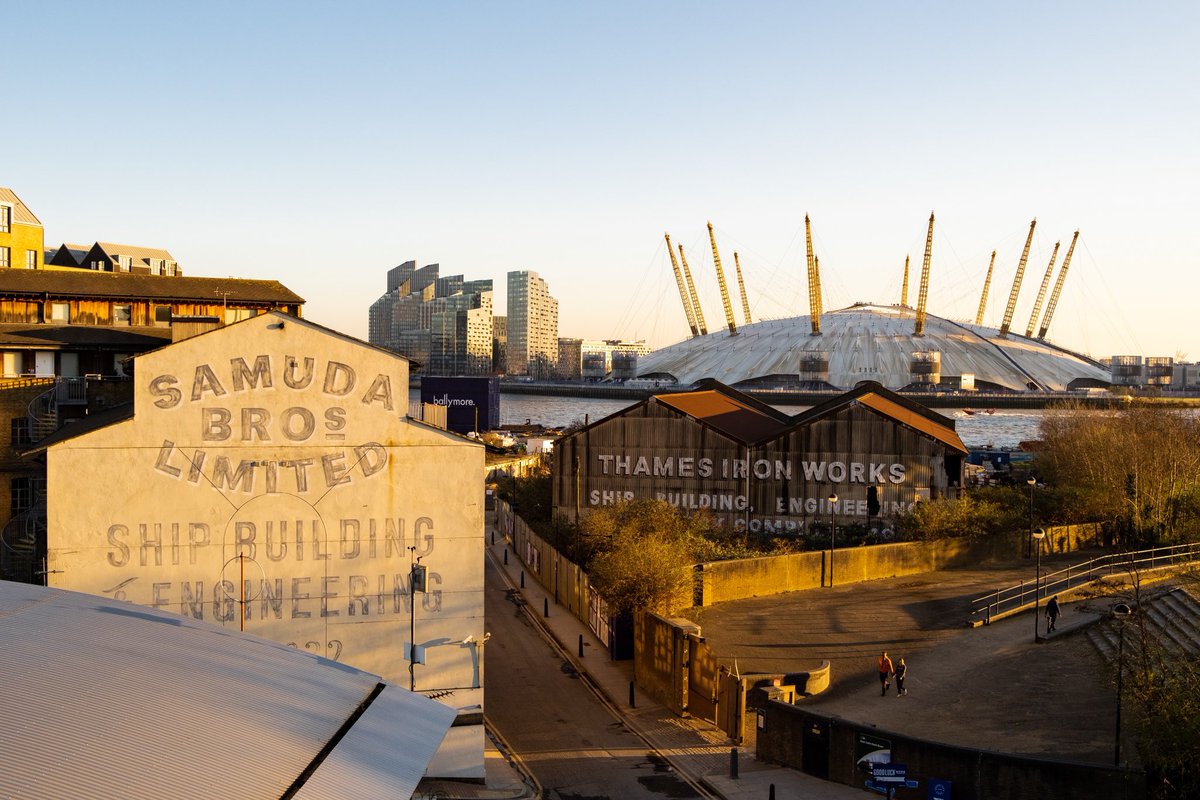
point(870, 750)
point(472, 404)
point(889, 774)
point(939, 789)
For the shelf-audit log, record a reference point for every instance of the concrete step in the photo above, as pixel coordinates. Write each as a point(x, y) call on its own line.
point(1106, 639)
point(1174, 629)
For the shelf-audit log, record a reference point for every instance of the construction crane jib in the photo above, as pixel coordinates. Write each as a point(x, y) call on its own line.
point(687, 274)
point(1016, 287)
point(1062, 276)
point(1041, 296)
point(737, 264)
point(987, 284)
point(923, 296)
point(683, 294)
point(721, 282)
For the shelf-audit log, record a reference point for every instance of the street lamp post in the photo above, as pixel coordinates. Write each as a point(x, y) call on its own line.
point(1121, 612)
point(1038, 535)
point(833, 498)
point(1029, 544)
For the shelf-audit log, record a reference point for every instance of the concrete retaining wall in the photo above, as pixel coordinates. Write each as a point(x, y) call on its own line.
point(757, 577)
point(829, 747)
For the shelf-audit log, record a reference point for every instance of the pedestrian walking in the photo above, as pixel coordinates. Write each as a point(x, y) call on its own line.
point(1051, 613)
point(885, 672)
point(900, 671)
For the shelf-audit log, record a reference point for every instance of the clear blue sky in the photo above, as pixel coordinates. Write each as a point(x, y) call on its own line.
point(321, 144)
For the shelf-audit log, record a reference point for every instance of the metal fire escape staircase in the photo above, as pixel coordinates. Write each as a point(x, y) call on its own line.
point(23, 539)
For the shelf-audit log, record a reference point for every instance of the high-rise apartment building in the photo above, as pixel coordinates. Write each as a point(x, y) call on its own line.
point(442, 323)
point(532, 326)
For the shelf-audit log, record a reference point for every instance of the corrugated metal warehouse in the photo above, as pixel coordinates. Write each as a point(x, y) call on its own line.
point(757, 469)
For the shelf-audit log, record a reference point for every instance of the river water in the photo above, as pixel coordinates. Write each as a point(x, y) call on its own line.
point(1004, 428)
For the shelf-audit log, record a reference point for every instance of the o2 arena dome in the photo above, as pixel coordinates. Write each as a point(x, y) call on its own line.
point(873, 342)
point(896, 345)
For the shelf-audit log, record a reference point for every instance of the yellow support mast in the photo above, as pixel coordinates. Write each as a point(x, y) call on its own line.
point(904, 286)
point(683, 295)
point(987, 284)
point(1016, 287)
point(919, 328)
point(1037, 305)
point(742, 287)
point(721, 282)
point(1062, 276)
point(814, 282)
point(687, 273)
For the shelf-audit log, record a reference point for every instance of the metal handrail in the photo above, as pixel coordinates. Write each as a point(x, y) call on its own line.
point(1003, 601)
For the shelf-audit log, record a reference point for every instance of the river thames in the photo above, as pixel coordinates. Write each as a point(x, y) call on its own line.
point(1003, 428)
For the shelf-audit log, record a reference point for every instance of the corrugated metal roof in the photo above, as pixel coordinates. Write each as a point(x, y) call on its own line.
point(103, 699)
point(21, 212)
point(726, 414)
point(366, 758)
point(890, 408)
point(125, 285)
point(871, 342)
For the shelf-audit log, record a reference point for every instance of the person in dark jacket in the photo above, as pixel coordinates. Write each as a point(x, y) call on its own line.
point(901, 671)
point(1051, 613)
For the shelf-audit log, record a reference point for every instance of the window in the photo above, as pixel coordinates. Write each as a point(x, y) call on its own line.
point(21, 434)
point(100, 265)
point(5, 219)
point(162, 315)
point(156, 266)
point(122, 314)
point(60, 312)
point(124, 263)
point(4, 256)
point(171, 268)
point(31, 259)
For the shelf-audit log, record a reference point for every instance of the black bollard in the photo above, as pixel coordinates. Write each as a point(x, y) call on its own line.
point(506, 556)
point(493, 537)
point(733, 765)
point(522, 579)
point(581, 645)
point(631, 703)
point(771, 792)
point(545, 606)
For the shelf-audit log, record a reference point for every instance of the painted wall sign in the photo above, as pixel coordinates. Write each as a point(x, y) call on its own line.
point(268, 478)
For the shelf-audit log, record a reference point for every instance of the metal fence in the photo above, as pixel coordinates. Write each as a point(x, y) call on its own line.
point(1003, 602)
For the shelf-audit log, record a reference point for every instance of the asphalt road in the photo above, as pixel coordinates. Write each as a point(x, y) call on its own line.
point(572, 743)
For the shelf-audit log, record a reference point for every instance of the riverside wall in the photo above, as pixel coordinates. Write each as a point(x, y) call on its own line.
point(721, 581)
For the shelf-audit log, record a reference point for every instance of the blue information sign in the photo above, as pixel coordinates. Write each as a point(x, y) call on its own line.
point(939, 789)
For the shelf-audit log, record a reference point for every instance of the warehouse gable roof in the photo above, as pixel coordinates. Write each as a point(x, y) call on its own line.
point(728, 411)
point(893, 406)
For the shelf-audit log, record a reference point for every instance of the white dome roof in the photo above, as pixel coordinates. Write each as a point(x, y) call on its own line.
point(872, 342)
